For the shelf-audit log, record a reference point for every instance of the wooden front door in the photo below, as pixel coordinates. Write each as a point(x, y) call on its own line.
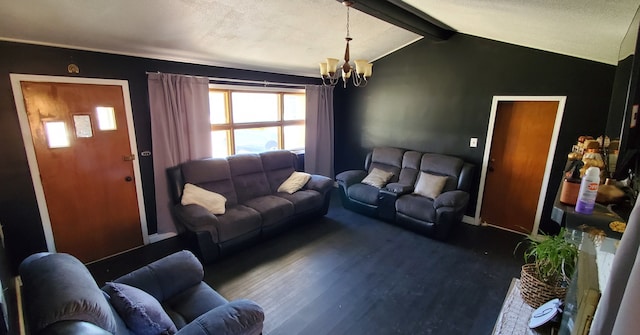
point(81, 142)
point(519, 150)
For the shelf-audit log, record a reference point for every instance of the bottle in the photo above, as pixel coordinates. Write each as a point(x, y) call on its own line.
point(588, 191)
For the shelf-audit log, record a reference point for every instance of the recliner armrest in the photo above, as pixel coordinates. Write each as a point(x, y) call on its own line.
point(239, 317)
point(455, 199)
point(348, 178)
point(398, 188)
point(197, 218)
point(319, 183)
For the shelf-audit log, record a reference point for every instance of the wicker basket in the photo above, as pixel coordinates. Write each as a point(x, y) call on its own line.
point(535, 292)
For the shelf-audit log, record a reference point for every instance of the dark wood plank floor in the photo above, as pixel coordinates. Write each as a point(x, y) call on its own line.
point(350, 274)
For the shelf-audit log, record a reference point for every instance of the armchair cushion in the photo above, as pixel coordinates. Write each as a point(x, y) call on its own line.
point(377, 178)
point(295, 182)
point(140, 311)
point(241, 317)
point(194, 195)
point(430, 185)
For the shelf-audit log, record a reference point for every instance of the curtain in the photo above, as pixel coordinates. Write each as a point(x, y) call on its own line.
point(318, 152)
point(180, 131)
point(617, 311)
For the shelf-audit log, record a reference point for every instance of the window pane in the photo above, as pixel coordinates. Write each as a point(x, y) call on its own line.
point(106, 118)
point(255, 140)
point(56, 134)
point(294, 106)
point(254, 107)
point(217, 107)
point(219, 143)
point(294, 137)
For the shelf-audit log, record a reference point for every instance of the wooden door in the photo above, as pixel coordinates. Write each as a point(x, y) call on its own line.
point(81, 143)
point(519, 149)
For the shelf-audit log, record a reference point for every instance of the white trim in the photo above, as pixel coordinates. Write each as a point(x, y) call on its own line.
point(153, 238)
point(552, 149)
point(470, 220)
point(31, 155)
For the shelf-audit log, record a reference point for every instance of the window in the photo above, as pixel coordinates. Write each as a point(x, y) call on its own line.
point(253, 121)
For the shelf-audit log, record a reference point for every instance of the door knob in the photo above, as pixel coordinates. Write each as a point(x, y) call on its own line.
point(128, 178)
point(490, 166)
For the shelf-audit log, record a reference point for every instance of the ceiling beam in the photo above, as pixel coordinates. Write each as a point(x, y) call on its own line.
point(404, 16)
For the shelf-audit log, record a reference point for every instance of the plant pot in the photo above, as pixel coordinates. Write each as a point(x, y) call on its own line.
point(536, 292)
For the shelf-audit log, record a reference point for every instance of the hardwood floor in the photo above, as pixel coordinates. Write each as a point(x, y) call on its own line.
point(350, 274)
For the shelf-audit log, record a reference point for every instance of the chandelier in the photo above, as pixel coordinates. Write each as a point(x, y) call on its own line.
point(331, 73)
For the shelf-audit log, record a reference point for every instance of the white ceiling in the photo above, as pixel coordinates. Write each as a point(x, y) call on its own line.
point(291, 37)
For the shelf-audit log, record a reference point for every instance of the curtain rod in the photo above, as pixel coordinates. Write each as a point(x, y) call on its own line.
point(242, 81)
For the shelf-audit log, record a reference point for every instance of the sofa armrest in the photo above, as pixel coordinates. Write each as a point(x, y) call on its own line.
point(348, 178)
point(239, 317)
point(319, 183)
point(453, 199)
point(399, 189)
point(197, 218)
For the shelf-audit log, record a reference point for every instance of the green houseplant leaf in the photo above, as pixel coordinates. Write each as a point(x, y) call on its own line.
point(554, 257)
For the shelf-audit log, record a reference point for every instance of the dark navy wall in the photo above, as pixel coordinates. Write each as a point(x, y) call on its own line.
point(18, 207)
point(434, 96)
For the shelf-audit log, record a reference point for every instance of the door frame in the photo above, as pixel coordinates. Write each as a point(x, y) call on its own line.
point(31, 154)
point(552, 149)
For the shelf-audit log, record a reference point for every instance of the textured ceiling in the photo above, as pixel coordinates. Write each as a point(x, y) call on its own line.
point(590, 29)
point(293, 36)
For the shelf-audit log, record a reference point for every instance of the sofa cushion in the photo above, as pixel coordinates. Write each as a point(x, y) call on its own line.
point(416, 206)
point(189, 304)
point(248, 177)
point(140, 311)
point(212, 201)
point(278, 166)
point(430, 185)
point(213, 175)
point(272, 209)
point(237, 221)
point(294, 183)
point(364, 193)
point(377, 178)
point(443, 165)
point(304, 200)
point(387, 159)
point(410, 168)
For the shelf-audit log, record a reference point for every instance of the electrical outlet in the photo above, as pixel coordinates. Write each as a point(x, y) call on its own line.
point(473, 142)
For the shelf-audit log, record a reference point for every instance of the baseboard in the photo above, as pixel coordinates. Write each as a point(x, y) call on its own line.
point(469, 220)
point(153, 238)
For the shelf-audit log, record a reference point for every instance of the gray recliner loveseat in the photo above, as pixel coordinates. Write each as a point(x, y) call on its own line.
point(165, 297)
point(425, 192)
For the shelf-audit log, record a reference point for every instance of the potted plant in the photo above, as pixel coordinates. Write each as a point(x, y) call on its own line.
point(551, 262)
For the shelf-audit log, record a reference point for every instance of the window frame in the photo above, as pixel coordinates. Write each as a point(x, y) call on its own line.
point(230, 126)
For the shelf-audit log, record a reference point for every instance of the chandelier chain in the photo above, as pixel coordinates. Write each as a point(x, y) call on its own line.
point(348, 22)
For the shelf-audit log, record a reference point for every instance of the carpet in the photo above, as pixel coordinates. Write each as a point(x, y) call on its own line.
point(514, 315)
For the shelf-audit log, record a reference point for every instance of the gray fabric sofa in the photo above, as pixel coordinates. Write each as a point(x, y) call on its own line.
point(397, 202)
point(254, 208)
point(61, 297)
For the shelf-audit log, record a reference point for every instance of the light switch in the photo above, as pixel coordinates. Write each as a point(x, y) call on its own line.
point(473, 142)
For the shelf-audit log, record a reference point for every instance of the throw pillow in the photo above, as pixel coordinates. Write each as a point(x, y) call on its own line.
point(295, 182)
point(140, 311)
point(377, 178)
point(212, 201)
point(429, 185)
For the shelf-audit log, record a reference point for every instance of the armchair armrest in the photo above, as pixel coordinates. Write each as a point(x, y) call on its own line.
point(399, 189)
point(239, 317)
point(319, 183)
point(454, 199)
point(348, 178)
